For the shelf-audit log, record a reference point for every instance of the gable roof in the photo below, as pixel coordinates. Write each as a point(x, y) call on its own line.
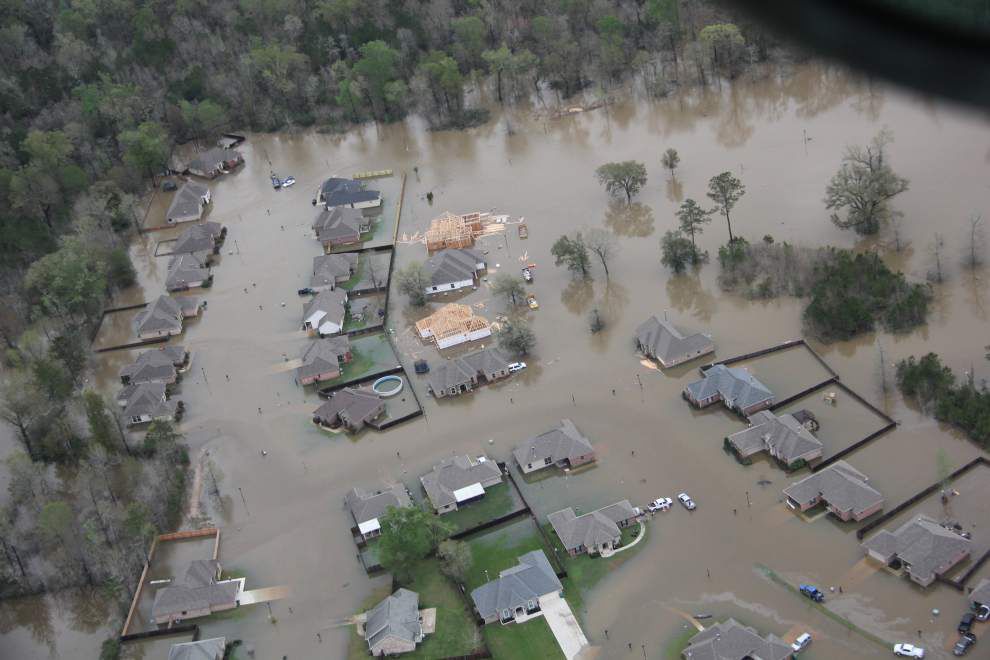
point(396, 616)
point(560, 443)
point(787, 438)
point(204, 649)
point(146, 399)
point(327, 268)
point(453, 474)
point(453, 265)
point(661, 340)
point(322, 355)
point(365, 506)
point(928, 547)
point(153, 365)
point(450, 374)
point(841, 485)
point(207, 161)
point(198, 238)
point(730, 640)
point(163, 313)
point(737, 387)
point(590, 529)
point(355, 407)
point(198, 590)
point(338, 224)
point(528, 580)
point(186, 268)
point(337, 191)
point(327, 305)
point(188, 200)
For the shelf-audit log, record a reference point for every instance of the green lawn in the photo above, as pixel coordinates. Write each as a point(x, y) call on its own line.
point(360, 364)
point(672, 649)
point(532, 639)
point(496, 552)
point(496, 502)
point(369, 355)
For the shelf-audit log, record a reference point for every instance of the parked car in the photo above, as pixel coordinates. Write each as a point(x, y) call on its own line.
point(982, 612)
point(686, 500)
point(515, 367)
point(289, 181)
point(169, 186)
point(962, 646)
point(660, 504)
point(966, 623)
point(812, 592)
point(305, 291)
point(527, 274)
point(801, 643)
point(909, 651)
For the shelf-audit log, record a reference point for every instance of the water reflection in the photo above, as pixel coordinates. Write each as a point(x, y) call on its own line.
point(578, 295)
point(634, 219)
point(686, 294)
point(32, 613)
point(675, 191)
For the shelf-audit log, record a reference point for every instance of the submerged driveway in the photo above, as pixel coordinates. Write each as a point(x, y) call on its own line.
point(564, 625)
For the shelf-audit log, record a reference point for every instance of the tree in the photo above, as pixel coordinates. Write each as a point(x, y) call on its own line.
point(499, 62)
point(603, 245)
point(628, 177)
point(976, 242)
point(670, 160)
point(573, 253)
point(510, 287)
point(725, 190)
point(409, 534)
point(145, 148)
point(595, 322)
point(102, 428)
point(21, 406)
point(444, 82)
point(727, 47)
point(69, 283)
point(161, 438)
point(936, 249)
point(864, 186)
point(456, 559)
point(516, 337)
point(677, 252)
point(414, 281)
point(377, 67)
point(692, 218)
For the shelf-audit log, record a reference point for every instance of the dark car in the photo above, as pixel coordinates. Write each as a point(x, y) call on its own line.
point(305, 292)
point(812, 592)
point(169, 186)
point(962, 646)
point(966, 623)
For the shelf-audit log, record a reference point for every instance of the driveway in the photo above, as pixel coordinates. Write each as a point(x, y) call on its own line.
point(564, 625)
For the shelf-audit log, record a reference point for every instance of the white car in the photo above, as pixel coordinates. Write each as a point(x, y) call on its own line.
point(909, 651)
point(661, 504)
point(686, 500)
point(801, 643)
point(516, 366)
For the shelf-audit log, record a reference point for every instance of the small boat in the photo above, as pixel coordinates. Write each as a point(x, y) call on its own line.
point(276, 182)
point(289, 181)
point(527, 274)
point(523, 230)
point(531, 301)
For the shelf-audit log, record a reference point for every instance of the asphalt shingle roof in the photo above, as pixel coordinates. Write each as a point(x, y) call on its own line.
point(841, 485)
point(531, 578)
point(924, 544)
point(455, 473)
point(590, 529)
point(163, 313)
point(365, 506)
point(661, 340)
point(730, 640)
point(323, 355)
point(453, 265)
point(788, 438)
point(737, 387)
point(188, 201)
point(559, 443)
point(396, 616)
point(328, 268)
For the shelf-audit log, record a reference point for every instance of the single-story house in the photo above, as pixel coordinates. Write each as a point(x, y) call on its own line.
point(347, 193)
point(157, 365)
point(661, 341)
point(205, 649)
point(596, 532)
point(324, 315)
point(924, 548)
point(206, 237)
point(735, 387)
point(462, 374)
point(516, 595)
point(340, 226)
point(351, 408)
point(394, 625)
point(730, 640)
point(188, 203)
point(329, 270)
point(980, 595)
point(323, 360)
point(563, 446)
point(213, 162)
point(145, 403)
point(163, 316)
point(841, 487)
point(200, 593)
point(188, 271)
point(367, 507)
point(453, 269)
point(458, 480)
point(453, 324)
point(783, 437)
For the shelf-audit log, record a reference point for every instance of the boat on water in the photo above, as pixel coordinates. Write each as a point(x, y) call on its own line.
point(527, 274)
point(523, 230)
point(288, 181)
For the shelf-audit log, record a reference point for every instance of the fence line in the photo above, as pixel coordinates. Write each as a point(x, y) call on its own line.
point(803, 393)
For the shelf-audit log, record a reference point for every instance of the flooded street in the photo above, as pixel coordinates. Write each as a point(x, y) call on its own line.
point(282, 481)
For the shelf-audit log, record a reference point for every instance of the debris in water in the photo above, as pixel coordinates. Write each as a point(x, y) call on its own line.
point(763, 482)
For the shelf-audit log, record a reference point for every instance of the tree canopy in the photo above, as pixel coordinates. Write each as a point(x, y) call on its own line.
point(627, 177)
point(573, 253)
point(725, 190)
point(859, 193)
point(408, 535)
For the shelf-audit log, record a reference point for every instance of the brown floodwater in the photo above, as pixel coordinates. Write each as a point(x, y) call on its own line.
point(282, 516)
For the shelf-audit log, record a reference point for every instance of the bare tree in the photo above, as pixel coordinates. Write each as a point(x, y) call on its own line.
point(976, 240)
point(936, 249)
point(896, 221)
point(602, 243)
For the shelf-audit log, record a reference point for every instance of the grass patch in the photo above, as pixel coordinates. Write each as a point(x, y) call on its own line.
point(496, 502)
point(532, 639)
point(360, 364)
point(351, 323)
point(498, 554)
point(355, 278)
point(672, 649)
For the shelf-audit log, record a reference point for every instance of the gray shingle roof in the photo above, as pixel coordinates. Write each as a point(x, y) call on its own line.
point(336, 191)
point(354, 407)
point(462, 370)
point(662, 341)
point(150, 366)
point(163, 313)
point(187, 204)
point(730, 640)
point(204, 649)
point(207, 161)
point(455, 473)
point(559, 443)
point(788, 439)
point(453, 265)
point(338, 224)
point(331, 303)
point(737, 387)
point(146, 399)
point(198, 238)
point(590, 529)
point(924, 544)
point(396, 616)
point(531, 578)
point(328, 268)
point(198, 590)
point(365, 506)
point(184, 269)
point(841, 485)
point(322, 355)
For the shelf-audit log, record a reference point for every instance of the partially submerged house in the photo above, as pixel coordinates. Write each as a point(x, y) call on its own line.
point(458, 480)
point(453, 324)
point(661, 341)
point(462, 374)
point(324, 315)
point(980, 595)
point(351, 408)
point(323, 360)
point(730, 640)
point(596, 532)
point(453, 269)
point(160, 365)
point(367, 507)
point(145, 403)
point(735, 387)
point(188, 203)
point(204, 649)
point(205, 238)
point(163, 316)
point(329, 270)
point(340, 226)
point(347, 193)
point(519, 592)
point(213, 162)
point(922, 547)
point(562, 446)
point(188, 271)
point(200, 593)
point(783, 437)
point(453, 231)
point(843, 490)
point(394, 625)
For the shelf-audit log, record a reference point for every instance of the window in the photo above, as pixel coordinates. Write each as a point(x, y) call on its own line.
point(451, 286)
point(135, 420)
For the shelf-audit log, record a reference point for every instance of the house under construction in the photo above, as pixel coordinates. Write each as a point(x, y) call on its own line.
point(454, 231)
point(453, 324)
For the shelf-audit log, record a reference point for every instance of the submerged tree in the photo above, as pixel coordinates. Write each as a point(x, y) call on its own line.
point(517, 338)
point(413, 281)
point(572, 252)
point(864, 186)
point(670, 160)
point(976, 242)
point(509, 287)
point(936, 251)
point(725, 190)
point(692, 218)
point(626, 177)
point(408, 535)
point(603, 245)
point(677, 252)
